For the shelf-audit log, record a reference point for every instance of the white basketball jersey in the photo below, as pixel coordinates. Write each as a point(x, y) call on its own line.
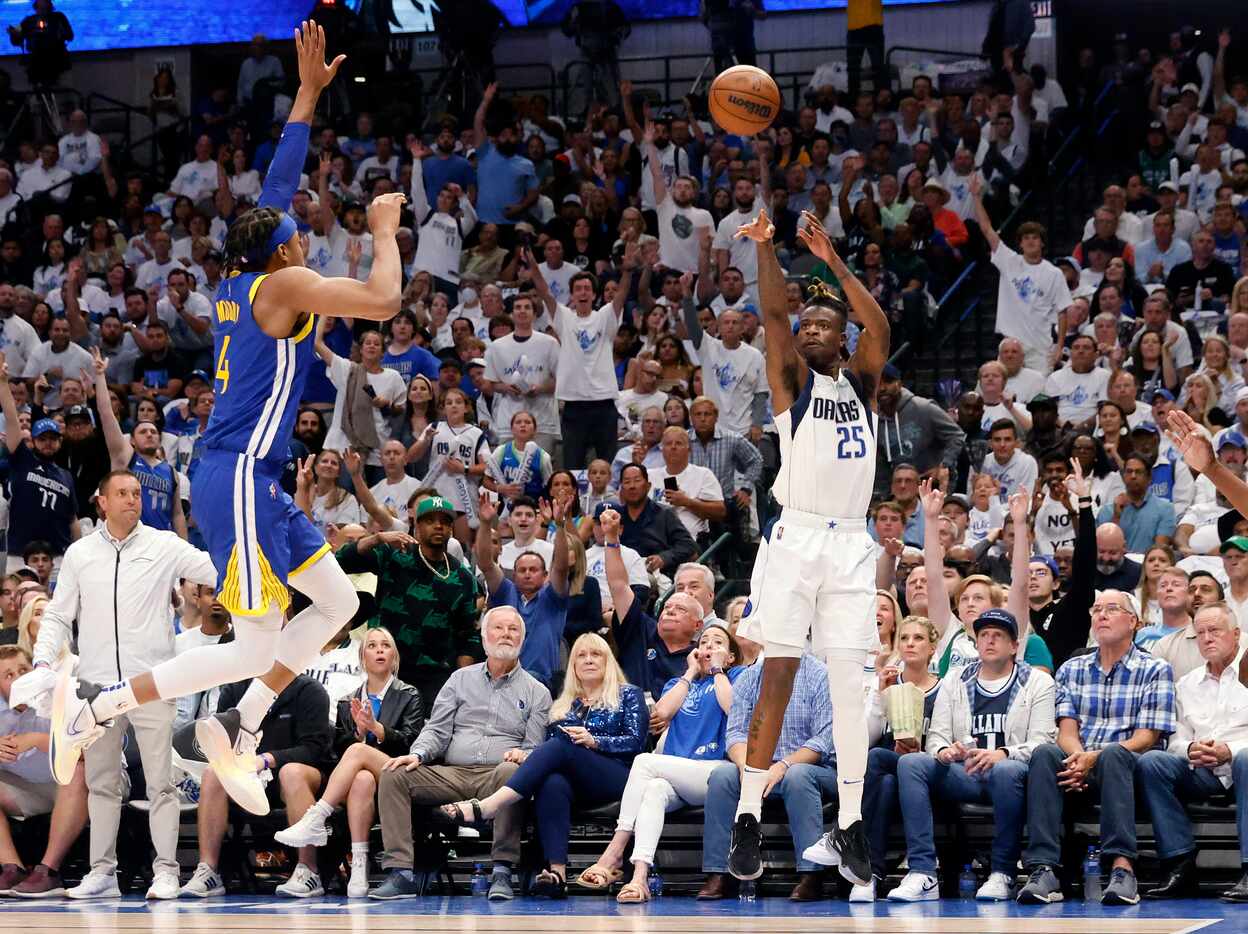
point(827, 449)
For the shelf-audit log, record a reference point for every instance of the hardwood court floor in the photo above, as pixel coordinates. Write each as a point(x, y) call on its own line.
point(670, 915)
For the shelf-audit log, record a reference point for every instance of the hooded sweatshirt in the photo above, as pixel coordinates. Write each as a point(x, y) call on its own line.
point(921, 433)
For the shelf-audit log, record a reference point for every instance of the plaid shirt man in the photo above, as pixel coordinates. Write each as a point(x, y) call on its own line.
point(1137, 693)
point(726, 455)
point(807, 719)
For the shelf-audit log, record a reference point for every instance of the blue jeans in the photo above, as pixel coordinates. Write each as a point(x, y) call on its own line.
point(802, 788)
point(1166, 781)
point(1114, 773)
point(921, 779)
point(879, 804)
point(558, 774)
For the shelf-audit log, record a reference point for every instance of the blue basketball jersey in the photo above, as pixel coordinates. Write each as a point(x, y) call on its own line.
point(159, 485)
point(259, 379)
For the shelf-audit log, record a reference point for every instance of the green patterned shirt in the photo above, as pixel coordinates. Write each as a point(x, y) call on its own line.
point(434, 621)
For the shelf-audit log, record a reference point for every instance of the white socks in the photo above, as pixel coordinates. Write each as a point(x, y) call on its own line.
point(323, 810)
point(255, 704)
point(846, 686)
point(359, 852)
point(113, 700)
point(753, 781)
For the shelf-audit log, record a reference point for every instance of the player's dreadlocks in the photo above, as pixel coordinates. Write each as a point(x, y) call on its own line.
point(248, 235)
point(821, 294)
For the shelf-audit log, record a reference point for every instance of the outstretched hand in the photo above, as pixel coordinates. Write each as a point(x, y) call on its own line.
point(1192, 442)
point(933, 499)
point(817, 239)
point(760, 230)
point(314, 73)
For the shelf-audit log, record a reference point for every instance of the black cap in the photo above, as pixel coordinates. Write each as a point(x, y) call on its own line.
point(891, 372)
point(1041, 401)
point(77, 411)
point(1000, 619)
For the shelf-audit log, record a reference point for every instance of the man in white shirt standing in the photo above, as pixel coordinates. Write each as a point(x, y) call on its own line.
point(681, 225)
point(18, 340)
point(394, 490)
point(1206, 756)
point(46, 176)
point(155, 272)
point(55, 359)
point(524, 525)
point(1079, 385)
point(1013, 468)
point(1032, 297)
point(585, 378)
point(197, 179)
point(124, 570)
point(695, 494)
point(522, 367)
point(731, 250)
point(732, 372)
point(556, 272)
point(80, 148)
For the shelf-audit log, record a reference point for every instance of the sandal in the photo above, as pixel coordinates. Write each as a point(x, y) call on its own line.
point(598, 878)
point(634, 893)
point(457, 816)
point(549, 884)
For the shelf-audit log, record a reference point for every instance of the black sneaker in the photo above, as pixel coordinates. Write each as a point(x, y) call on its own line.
point(745, 856)
point(855, 856)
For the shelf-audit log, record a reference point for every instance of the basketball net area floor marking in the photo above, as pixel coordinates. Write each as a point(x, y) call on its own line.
point(669, 916)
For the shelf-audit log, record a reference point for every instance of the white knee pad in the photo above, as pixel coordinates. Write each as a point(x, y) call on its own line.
point(249, 655)
point(780, 650)
point(334, 602)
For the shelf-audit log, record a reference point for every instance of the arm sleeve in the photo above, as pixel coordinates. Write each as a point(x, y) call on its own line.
point(467, 635)
point(539, 717)
point(1071, 623)
point(749, 461)
point(947, 436)
point(629, 733)
point(193, 564)
point(313, 735)
point(282, 179)
point(435, 735)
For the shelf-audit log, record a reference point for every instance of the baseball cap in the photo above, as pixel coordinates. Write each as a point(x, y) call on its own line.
point(199, 375)
point(890, 372)
point(1147, 428)
point(1162, 393)
point(435, 504)
point(44, 426)
point(477, 361)
point(153, 209)
point(1194, 88)
point(1168, 186)
point(1232, 437)
point(1048, 561)
point(572, 199)
point(1241, 395)
point(1156, 126)
point(999, 619)
point(604, 506)
point(1041, 401)
point(77, 411)
point(1238, 542)
point(935, 185)
point(960, 501)
point(1071, 262)
point(451, 362)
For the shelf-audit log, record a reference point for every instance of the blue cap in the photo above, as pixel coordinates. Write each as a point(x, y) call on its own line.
point(604, 506)
point(1164, 393)
point(1147, 428)
point(200, 375)
point(153, 209)
point(1001, 619)
point(1048, 561)
point(43, 426)
point(1232, 437)
point(891, 372)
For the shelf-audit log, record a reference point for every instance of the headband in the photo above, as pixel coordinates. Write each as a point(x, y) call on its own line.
point(284, 231)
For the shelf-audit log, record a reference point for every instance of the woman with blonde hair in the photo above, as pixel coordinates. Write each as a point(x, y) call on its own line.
point(1198, 398)
point(887, 613)
point(1156, 560)
point(733, 613)
point(29, 621)
point(1215, 363)
point(916, 640)
point(376, 722)
point(1239, 297)
point(696, 707)
point(597, 726)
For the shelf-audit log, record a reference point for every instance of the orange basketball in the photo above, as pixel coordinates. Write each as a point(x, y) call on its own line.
point(744, 99)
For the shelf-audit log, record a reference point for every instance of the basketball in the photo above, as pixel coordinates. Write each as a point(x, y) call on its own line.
point(744, 99)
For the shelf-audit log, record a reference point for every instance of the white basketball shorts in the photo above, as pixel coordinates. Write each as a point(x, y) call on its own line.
point(814, 577)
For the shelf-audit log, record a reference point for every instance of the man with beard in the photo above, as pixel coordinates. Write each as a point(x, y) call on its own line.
point(971, 420)
point(681, 225)
point(729, 251)
point(426, 598)
point(141, 454)
point(85, 455)
point(1114, 570)
point(912, 430)
point(508, 181)
point(445, 166)
point(310, 429)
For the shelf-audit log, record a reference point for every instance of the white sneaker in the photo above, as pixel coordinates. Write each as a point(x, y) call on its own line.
point(231, 752)
point(998, 888)
point(165, 885)
point(822, 852)
point(357, 885)
point(73, 724)
point(205, 883)
point(309, 830)
point(916, 887)
point(303, 883)
point(95, 885)
point(862, 894)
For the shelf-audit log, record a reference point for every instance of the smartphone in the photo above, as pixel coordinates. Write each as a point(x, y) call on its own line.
point(370, 391)
point(669, 483)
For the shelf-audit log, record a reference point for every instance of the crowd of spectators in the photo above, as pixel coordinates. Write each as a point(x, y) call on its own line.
point(572, 408)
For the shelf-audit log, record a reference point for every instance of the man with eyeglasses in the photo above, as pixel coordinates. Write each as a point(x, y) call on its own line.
point(1182, 649)
point(1113, 705)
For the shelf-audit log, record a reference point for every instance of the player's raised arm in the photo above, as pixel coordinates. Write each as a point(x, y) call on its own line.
point(1197, 451)
point(282, 179)
point(873, 343)
point(786, 370)
point(298, 290)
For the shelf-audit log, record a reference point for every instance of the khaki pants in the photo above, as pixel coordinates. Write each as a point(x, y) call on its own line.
point(153, 728)
point(442, 784)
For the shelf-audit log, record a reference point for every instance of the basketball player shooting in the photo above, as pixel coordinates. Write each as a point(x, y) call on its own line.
point(819, 576)
point(263, 321)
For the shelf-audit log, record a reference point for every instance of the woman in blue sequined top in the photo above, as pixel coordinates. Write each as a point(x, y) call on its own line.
point(597, 726)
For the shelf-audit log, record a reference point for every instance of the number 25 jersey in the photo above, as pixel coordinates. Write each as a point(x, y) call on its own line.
point(827, 448)
point(259, 379)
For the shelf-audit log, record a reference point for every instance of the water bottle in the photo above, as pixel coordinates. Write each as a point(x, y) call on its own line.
point(655, 881)
point(967, 883)
point(1092, 876)
point(480, 880)
point(745, 893)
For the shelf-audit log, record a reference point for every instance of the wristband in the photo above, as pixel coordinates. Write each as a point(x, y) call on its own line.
point(716, 671)
point(785, 762)
point(1085, 501)
point(611, 545)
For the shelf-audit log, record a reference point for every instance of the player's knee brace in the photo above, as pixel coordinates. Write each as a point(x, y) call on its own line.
point(780, 650)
